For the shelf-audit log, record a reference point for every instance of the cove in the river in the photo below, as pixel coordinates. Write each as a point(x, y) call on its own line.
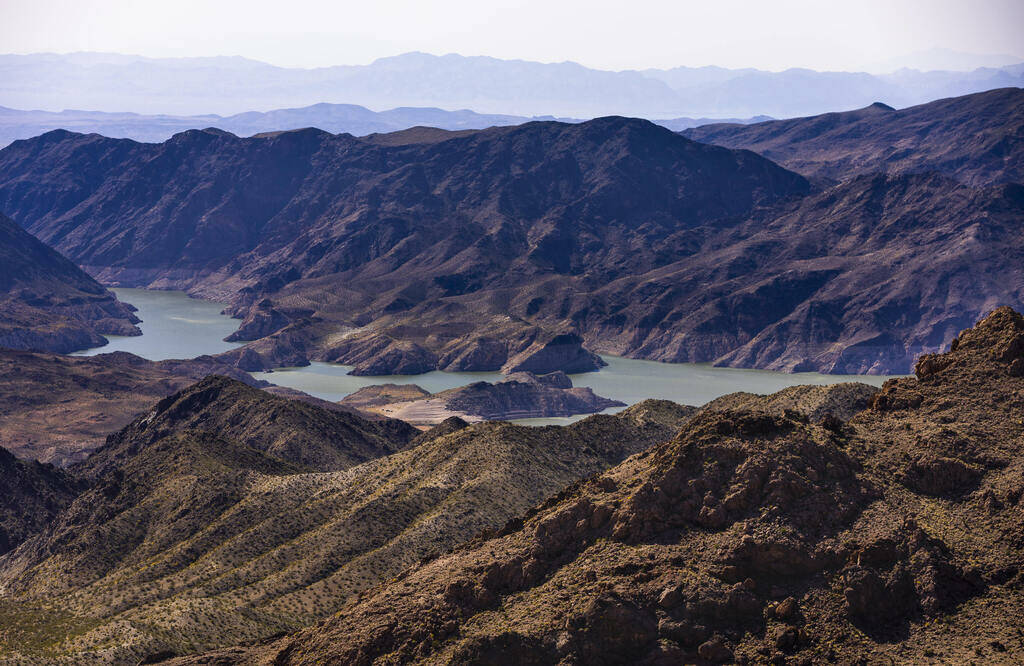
point(176, 326)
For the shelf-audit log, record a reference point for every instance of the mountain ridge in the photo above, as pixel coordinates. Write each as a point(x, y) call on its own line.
point(58, 409)
point(953, 136)
point(524, 201)
point(185, 525)
point(558, 240)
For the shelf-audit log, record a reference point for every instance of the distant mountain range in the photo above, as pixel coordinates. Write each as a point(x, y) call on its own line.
point(231, 85)
point(944, 59)
point(524, 247)
point(335, 118)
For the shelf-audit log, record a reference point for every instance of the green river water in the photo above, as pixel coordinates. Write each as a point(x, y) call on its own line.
point(176, 326)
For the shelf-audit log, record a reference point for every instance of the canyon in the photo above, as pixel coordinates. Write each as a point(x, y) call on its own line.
point(786, 358)
point(533, 247)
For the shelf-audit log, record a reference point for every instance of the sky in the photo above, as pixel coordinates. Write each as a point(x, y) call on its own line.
point(634, 34)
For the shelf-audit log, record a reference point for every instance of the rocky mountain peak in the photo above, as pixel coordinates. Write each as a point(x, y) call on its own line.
point(995, 341)
point(294, 431)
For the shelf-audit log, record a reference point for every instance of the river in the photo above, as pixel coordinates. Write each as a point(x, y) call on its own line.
point(176, 326)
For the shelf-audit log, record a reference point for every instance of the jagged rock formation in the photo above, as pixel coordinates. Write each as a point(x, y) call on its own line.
point(48, 304)
point(202, 527)
point(752, 537)
point(975, 139)
point(520, 395)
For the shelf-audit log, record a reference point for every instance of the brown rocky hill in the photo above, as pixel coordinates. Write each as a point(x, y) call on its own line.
point(203, 537)
point(521, 395)
point(817, 403)
point(304, 435)
point(752, 537)
point(47, 303)
point(60, 408)
point(977, 139)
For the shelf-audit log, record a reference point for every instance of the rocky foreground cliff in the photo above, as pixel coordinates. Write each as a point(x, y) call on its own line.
point(751, 537)
point(532, 247)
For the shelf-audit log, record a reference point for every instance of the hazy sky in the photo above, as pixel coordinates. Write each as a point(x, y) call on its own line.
point(769, 34)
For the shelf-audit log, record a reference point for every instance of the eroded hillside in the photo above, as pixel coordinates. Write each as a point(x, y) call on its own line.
point(753, 536)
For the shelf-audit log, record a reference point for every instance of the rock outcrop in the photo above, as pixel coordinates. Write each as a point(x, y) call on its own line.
point(564, 353)
point(521, 395)
point(262, 320)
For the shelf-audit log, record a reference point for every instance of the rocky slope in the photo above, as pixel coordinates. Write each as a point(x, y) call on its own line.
point(752, 537)
point(817, 403)
point(859, 278)
point(325, 204)
point(200, 529)
point(60, 408)
point(520, 395)
point(305, 435)
point(31, 496)
point(976, 139)
point(48, 304)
